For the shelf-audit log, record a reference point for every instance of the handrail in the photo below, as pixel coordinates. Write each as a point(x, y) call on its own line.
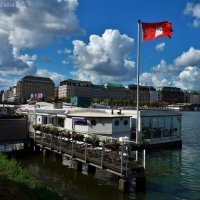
point(116, 160)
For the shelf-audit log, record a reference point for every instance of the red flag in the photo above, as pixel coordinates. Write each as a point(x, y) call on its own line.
point(155, 30)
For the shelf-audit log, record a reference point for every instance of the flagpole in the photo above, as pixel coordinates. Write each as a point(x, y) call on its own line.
point(138, 81)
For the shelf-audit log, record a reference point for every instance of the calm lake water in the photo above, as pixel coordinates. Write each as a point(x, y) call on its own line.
point(171, 174)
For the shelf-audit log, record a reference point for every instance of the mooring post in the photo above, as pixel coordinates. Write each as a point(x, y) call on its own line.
point(141, 180)
point(45, 153)
point(91, 169)
point(124, 185)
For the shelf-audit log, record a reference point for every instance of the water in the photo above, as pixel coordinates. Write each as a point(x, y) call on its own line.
point(171, 174)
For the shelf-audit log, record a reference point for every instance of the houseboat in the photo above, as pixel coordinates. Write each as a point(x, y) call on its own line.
point(156, 127)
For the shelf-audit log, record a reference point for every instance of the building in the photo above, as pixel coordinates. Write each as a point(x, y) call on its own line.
point(191, 97)
point(98, 92)
point(10, 95)
point(171, 95)
point(84, 102)
point(69, 88)
point(99, 122)
point(158, 127)
point(146, 93)
point(1, 96)
point(116, 91)
point(34, 87)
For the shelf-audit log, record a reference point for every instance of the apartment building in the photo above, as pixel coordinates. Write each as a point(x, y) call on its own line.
point(10, 95)
point(146, 93)
point(69, 88)
point(170, 95)
point(116, 91)
point(30, 86)
point(192, 97)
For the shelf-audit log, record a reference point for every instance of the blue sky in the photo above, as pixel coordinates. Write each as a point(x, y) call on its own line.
point(96, 40)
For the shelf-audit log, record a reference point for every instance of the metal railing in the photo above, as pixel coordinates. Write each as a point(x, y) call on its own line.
point(122, 161)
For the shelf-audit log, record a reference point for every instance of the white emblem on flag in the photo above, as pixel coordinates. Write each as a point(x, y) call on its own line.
point(159, 31)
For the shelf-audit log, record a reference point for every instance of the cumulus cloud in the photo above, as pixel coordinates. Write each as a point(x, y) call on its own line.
point(184, 72)
point(105, 58)
point(160, 47)
point(194, 11)
point(154, 79)
point(5, 83)
point(188, 58)
point(191, 57)
point(33, 24)
point(56, 77)
point(189, 78)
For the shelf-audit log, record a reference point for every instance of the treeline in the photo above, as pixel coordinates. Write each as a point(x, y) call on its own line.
point(129, 103)
point(115, 102)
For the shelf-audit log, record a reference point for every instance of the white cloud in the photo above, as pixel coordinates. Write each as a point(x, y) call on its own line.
point(105, 58)
point(188, 58)
point(33, 24)
point(184, 72)
point(194, 11)
point(56, 77)
point(154, 79)
point(64, 62)
point(65, 51)
point(5, 83)
point(160, 47)
point(191, 57)
point(189, 78)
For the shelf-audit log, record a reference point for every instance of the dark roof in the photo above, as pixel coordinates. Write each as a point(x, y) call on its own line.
point(75, 82)
point(35, 78)
point(141, 87)
point(169, 89)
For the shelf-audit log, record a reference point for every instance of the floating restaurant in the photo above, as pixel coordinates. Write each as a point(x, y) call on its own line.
point(158, 128)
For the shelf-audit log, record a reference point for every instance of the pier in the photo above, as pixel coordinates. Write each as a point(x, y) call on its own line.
point(124, 162)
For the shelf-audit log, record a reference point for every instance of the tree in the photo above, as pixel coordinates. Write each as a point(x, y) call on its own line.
point(50, 99)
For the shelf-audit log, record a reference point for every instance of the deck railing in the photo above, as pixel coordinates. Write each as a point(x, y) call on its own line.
point(123, 161)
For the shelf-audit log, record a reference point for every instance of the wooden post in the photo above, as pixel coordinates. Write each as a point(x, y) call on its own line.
point(141, 180)
point(91, 169)
point(124, 185)
point(141, 183)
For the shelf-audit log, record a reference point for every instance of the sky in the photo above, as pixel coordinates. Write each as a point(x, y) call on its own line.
point(96, 40)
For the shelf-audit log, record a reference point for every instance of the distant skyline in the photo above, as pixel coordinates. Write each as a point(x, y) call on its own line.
point(96, 40)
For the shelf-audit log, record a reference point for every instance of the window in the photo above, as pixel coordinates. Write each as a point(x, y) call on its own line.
point(116, 122)
point(93, 122)
point(45, 120)
point(125, 122)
